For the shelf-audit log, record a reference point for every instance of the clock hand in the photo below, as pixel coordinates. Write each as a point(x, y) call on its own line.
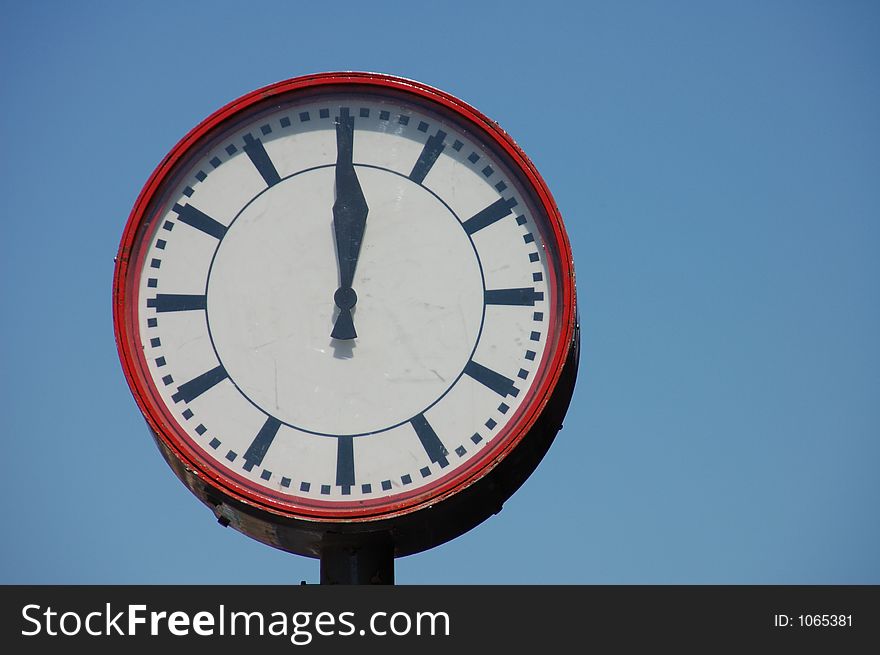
point(349, 220)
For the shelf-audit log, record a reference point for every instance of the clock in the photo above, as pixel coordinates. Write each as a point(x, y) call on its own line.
point(345, 305)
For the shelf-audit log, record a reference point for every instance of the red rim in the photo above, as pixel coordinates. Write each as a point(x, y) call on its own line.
point(160, 419)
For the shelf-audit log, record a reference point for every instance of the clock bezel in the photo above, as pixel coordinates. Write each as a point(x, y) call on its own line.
point(226, 481)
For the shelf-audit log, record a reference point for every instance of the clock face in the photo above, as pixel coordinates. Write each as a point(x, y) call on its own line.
point(344, 299)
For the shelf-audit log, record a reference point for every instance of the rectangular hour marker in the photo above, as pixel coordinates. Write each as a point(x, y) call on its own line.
point(344, 461)
point(430, 441)
point(525, 296)
point(433, 147)
point(175, 302)
point(255, 453)
point(260, 159)
point(495, 381)
point(485, 217)
point(200, 220)
point(199, 385)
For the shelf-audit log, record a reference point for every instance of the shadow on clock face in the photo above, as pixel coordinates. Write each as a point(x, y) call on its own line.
point(343, 348)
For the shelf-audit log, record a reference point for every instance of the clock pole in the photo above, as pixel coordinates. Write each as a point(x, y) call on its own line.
point(356, 562)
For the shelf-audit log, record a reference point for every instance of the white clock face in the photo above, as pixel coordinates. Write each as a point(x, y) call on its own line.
point(345, 298)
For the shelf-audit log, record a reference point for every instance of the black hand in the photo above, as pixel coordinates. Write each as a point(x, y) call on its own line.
point(349, 219)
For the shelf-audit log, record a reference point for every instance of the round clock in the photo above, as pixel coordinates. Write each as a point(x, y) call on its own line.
point(345, 304)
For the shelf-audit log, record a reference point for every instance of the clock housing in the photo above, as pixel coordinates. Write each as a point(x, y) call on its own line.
point(359, 408)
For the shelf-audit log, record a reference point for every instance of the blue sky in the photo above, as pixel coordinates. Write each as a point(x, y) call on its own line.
point(718, 169)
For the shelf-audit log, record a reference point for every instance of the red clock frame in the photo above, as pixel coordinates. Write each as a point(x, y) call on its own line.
point(427, 516)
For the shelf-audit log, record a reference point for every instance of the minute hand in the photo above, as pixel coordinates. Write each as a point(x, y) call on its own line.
point(349, 220)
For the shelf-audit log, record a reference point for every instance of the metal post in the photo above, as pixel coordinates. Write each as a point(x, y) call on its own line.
point(352, 563)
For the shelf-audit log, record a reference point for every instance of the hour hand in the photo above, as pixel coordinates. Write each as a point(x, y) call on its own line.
point(349, 220)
